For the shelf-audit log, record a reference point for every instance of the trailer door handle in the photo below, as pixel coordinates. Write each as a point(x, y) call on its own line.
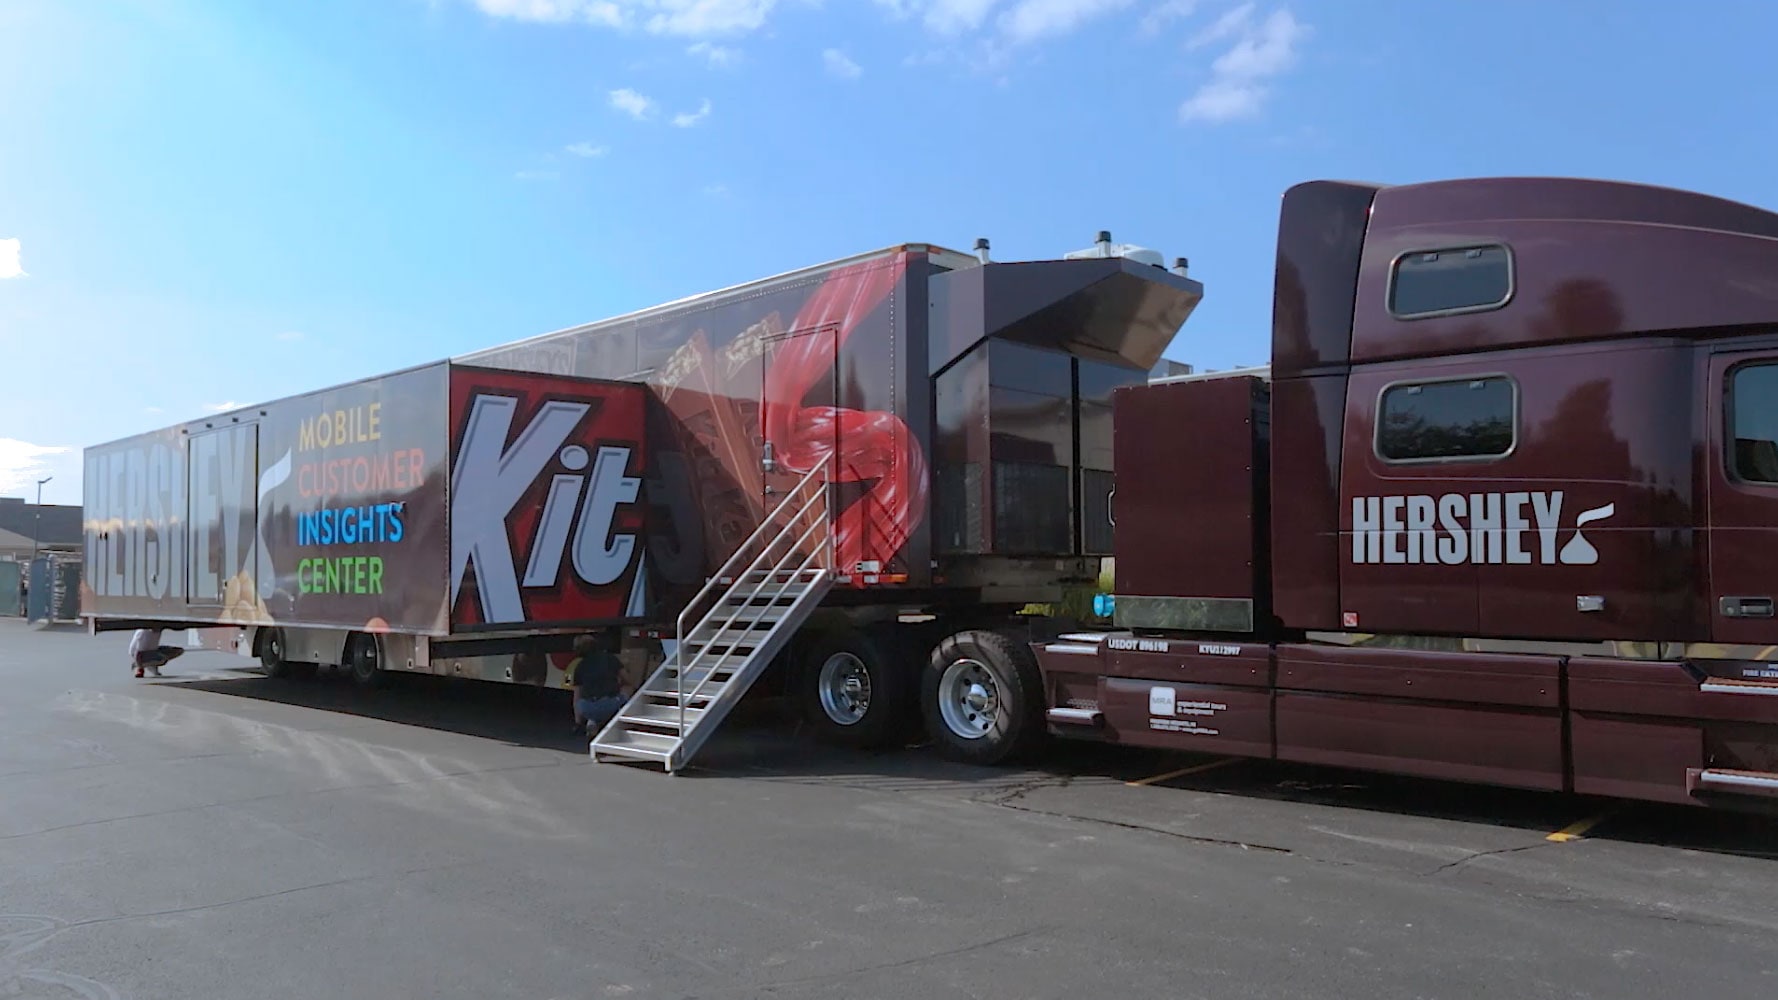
point(1746, 607)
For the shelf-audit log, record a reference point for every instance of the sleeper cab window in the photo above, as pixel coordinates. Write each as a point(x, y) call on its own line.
point(1753, 422)
point(1427, 283)
point(1452, 420)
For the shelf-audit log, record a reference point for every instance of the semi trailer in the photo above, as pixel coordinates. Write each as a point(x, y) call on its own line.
point(887, 443)
point(1498, 509)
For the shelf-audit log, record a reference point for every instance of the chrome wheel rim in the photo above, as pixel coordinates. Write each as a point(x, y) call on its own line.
point(969, 699)
point(844, 686)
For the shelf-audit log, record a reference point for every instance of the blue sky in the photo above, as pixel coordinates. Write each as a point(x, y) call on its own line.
point(205, 202)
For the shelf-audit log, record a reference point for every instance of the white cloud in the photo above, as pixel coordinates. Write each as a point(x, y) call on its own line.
point(224, 407)
point(952, 17)
point(1222, 101)
point(983, 33)
point(10, 265)
point(288, 336)
point(1168, 10)
point(716, 190)
point(1238, 84)
point(685, 18)
point(1231, 23)
point(1030, 20)
point(841, 65)
point(586, 150)
point(23, 463)
point(631, 103)
point(605, 12)
point(152, 409)
point(686, 119)
point(697, 18)
point(715, 55)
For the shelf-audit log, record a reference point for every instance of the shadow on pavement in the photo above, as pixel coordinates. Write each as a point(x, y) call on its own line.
point(764, 740)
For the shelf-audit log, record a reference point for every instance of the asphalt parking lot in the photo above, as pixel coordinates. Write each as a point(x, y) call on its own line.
point(218, 834)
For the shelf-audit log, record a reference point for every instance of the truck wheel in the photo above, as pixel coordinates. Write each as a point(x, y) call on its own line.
point(982, 697)
point(364, 660)
point(271, 655)
point(853, 688)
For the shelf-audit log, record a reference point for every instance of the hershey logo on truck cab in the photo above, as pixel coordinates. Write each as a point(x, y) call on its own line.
point(490, 477)
point(1457, 528)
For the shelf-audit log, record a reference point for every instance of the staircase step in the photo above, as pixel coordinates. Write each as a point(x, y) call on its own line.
point(721, 621)
point(785, 577)
point(664, 690)
point(734, 646)
point(743, 633)
point(668, 684)
point(722, 654)
point(660, 715)
point(722, 663)
point(742, 614)
point(605, 752)
point(636, 740)
point(766, 597)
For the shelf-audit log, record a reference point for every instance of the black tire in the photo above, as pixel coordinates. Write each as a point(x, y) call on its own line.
point(865, 710)
point(364, 660)
point(1015, 726)
point(271, 655)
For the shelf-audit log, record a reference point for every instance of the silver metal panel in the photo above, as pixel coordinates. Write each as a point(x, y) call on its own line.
point(315, 645)
point(1186, 614)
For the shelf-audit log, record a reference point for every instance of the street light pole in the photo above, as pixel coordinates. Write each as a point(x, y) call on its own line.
point(37, 525)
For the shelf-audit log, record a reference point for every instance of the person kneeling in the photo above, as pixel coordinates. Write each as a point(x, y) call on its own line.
point(147, 653)
point(599, 693)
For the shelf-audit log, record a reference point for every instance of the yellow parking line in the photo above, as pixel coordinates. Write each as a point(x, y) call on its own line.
point(1185, 771)
point(1576, 830)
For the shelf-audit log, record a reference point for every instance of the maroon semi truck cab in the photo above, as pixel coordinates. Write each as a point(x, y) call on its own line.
point(1503, 508)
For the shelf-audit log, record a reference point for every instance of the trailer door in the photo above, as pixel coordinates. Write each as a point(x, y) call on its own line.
point(1743, 496)
point(800, 421)
point(222, 519)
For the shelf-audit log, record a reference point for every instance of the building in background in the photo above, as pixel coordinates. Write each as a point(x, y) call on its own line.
point(50, 532)
point(55, 528)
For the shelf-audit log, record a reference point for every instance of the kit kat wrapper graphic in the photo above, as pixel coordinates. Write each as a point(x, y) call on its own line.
point(564, 492)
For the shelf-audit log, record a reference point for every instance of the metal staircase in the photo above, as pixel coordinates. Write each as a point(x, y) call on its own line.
point(738, 622)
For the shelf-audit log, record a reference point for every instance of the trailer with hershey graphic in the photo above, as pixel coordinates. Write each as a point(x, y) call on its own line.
point(808, 478)
point(1503, 508)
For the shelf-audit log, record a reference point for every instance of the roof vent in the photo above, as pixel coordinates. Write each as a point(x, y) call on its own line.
point(1103, 247)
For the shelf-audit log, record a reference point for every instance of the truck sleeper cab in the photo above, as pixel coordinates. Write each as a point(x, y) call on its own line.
point(1519, 441)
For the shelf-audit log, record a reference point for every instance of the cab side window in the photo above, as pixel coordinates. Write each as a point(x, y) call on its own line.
point(1446, 282)
point(1753, 423)
point(1453, 420)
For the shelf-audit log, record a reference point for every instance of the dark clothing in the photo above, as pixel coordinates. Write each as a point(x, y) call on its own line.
point(595, 675)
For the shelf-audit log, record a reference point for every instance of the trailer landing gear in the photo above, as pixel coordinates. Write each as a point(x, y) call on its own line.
point(982, 698)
